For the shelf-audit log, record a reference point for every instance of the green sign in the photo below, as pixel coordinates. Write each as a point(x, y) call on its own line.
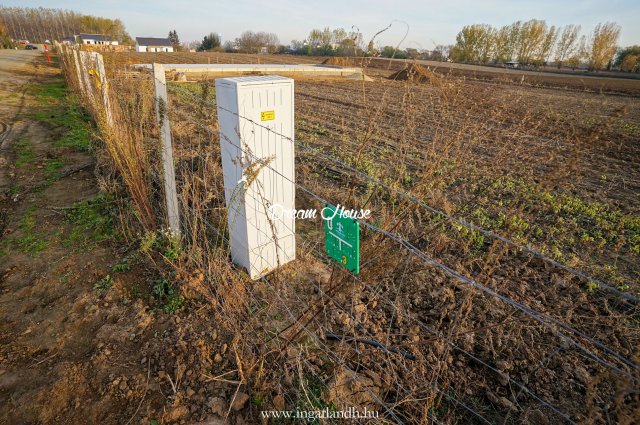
point(342, 238)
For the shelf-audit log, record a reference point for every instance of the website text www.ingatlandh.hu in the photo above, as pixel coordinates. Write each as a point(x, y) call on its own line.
point(326, 413)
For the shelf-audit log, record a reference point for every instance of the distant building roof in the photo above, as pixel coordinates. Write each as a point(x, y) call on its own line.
point(69, 38)
point(97, 37)
point(152, 41)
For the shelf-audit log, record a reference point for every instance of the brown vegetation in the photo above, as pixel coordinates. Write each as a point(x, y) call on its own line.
point(551, 169)
point(337, 61)
point(40, 24)
point(413, 72)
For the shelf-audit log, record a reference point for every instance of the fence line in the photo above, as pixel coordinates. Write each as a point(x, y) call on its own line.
point(332, 299)
point(541, 317)
point(410, 247)
point(104, 87)
point(532, 313)
point(425, 327)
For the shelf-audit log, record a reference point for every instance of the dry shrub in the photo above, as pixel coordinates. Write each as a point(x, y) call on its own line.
point(415, 73)
point(403, 336)
point(125, 129)
point(337, 61)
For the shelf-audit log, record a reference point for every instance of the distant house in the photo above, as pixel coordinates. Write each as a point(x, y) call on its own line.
point(99, 39)
point(69, 39)
point(151, 44)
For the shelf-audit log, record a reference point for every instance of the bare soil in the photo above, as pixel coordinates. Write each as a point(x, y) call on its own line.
point(79, 341)
point(547, 156)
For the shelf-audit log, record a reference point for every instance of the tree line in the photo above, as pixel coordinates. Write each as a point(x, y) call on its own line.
point(321, 42)
point(40, 24)
point(5, 41)
point(535, 43)
point(530, 43)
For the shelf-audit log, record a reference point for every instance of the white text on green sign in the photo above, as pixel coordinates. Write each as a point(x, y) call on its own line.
point(342, 238)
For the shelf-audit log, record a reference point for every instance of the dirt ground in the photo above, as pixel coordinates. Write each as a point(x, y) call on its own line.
point(80, 341)
point(573, 145)
point(84, 339)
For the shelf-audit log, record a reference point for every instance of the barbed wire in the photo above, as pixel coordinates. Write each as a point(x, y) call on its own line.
point(296, 320)
point(460, 221)
point(531, 312)
point(489, 233)
point(422, 325)
point(309, 332)
point(540, 317)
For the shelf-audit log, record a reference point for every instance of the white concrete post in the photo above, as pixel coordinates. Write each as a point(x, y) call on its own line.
point(75, 54)
point(85, 60)
point(104, 87)
point(162, 115)
point(256, 139)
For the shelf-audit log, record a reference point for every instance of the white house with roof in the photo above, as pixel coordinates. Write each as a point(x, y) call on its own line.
point(69, 39)
point(152, 44)
point(99, 39)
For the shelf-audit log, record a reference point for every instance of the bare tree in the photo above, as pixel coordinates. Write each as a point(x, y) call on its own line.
point(321, 39)
point(256, 42)
point(602, 45)
point(531, 38)
point(40, 24)
point(270, 41)
point(546, 47)
point(567, 44)
point(337, 41)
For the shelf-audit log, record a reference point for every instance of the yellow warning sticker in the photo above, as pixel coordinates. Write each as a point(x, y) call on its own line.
point(268, 115)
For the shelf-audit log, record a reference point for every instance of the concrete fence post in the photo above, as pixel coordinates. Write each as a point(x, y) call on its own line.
point(171, 195)
point(104, 87)
point(75, 54)
point(85, 60)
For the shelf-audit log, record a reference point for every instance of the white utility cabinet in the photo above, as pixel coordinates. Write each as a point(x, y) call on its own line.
point(256, 119)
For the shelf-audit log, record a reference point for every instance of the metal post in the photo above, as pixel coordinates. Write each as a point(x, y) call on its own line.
point(160, 85)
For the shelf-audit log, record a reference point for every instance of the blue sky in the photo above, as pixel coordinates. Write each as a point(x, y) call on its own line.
point(430, 22)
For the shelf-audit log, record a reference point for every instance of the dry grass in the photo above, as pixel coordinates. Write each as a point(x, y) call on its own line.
point(494, 156)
